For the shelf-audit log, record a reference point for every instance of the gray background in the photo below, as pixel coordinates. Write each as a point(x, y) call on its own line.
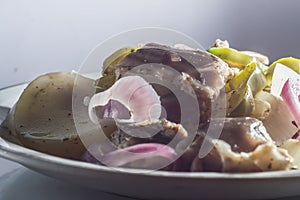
point(42, 36)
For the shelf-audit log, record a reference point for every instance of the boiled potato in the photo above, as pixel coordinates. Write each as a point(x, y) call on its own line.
point(42, 118)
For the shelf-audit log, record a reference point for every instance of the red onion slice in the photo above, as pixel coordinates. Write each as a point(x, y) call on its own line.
point(135, 94)
point(290, 94)
point(146, 155)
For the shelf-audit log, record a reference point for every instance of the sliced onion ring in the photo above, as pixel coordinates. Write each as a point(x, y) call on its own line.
point(290, 94)
point(141, 152)
point(135, 94)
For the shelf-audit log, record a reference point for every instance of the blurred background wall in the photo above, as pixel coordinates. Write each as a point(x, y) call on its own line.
point(56, 35)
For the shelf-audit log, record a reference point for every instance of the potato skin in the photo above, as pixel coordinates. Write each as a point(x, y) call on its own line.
point(72, 148)
point(42, 118)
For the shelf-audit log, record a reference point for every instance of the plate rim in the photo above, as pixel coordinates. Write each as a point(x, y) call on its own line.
point(13, 151)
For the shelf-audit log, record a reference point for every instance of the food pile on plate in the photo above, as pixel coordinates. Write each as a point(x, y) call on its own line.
point(168, 108)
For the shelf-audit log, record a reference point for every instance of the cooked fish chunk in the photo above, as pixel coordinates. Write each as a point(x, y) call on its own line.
point(154, 131)
point(265, 157)
point(243, 146)
point(201, 65)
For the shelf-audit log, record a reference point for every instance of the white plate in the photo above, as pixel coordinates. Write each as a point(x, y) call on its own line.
point(154, 185)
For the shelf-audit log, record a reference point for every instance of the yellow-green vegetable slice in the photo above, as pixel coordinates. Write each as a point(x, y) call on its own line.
point(241, 103)
point(259, 57)
point(111, 61)
point(108, 70)
point(241, 78)
point(243, 87)
point(231, 56)
point(252, 76)
point(105, 82)
point(257, 81)
point(290, 62)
